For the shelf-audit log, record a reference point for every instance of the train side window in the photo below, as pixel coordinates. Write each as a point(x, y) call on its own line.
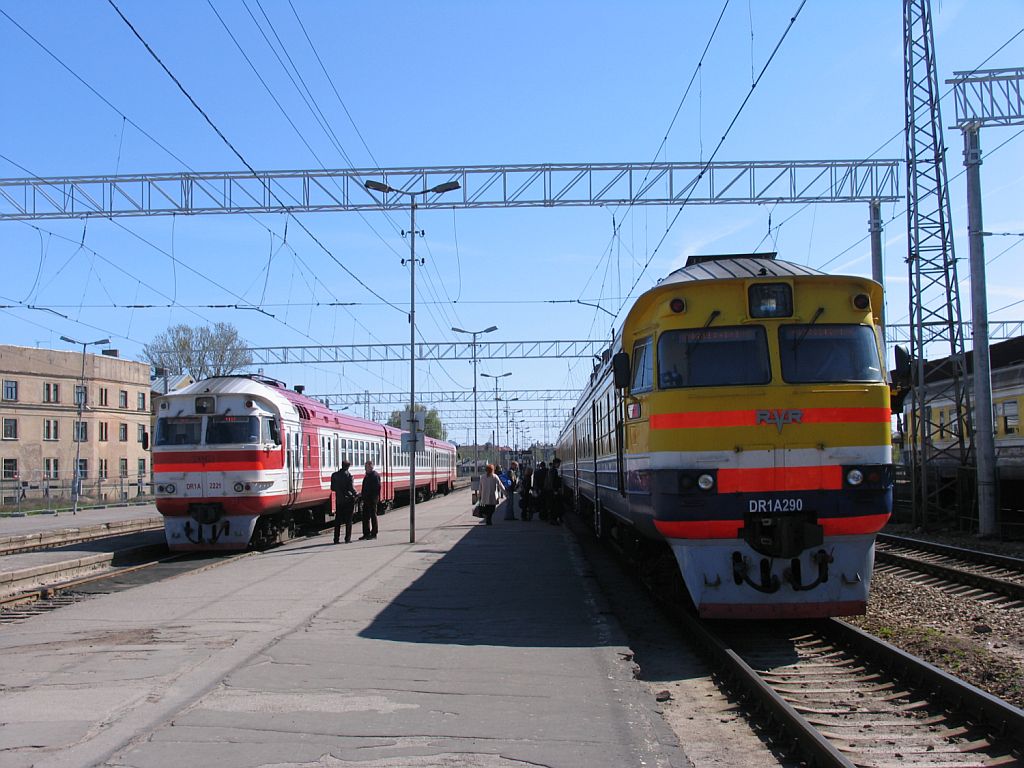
point(643, 366)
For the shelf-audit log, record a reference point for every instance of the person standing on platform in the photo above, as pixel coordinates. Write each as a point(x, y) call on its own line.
point(539, 481)
point(513, 477)
point(370, 495)
point(491, 492)
point(344, 501)
point(553, 489)
point(525, 489)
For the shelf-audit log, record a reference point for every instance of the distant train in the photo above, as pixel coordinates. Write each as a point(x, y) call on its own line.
point(743, 420)
point(240, 460)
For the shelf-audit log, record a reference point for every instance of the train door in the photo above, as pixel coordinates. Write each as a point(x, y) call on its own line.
point(293, 456)
point(619, 437)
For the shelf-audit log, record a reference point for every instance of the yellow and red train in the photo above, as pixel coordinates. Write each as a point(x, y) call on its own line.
point(240, 460)
point(742, 417)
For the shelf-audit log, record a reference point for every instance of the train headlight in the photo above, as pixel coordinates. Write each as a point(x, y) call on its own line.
point(862, 301)
point(677, 305)
point(239, 487)
point(855, 477)
point(705, 482)
point(169, 488)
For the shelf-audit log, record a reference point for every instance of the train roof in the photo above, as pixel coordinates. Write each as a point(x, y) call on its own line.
point(282, 397)
point(737, 265)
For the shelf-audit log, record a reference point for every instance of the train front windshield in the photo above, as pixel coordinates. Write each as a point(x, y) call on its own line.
point(829, 354)
point(184, 430)
point(222, 430)
point(713, 357)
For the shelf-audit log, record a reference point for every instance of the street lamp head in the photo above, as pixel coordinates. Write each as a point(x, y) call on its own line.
point(69, 340)
point(377, 186)
point(101, 341)
point(448, 186)
point(488, 330)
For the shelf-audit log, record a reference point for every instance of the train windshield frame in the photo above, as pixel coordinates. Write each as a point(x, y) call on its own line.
point(232, 430)
point(829, 354)
point(713, 357)
point(179, 430)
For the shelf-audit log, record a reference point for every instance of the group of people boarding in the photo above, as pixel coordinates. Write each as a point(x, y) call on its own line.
point(540, 492)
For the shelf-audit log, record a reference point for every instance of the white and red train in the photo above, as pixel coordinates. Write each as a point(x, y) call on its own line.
point(240, 460)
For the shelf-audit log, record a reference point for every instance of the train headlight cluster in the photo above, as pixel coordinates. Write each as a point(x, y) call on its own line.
point(168, 488)
point(239, 487)
point(855, 477)
point(705, 482)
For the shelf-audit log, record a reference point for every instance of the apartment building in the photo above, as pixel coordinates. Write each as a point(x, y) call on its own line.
point(42, 434)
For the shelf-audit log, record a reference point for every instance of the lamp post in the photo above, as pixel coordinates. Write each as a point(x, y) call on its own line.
point(377, 186)
point(76, 482)
point(497, 427)
point(476, 439)
point(508, 400)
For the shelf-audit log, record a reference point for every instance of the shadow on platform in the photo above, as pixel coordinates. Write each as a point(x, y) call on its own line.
point(515, 583)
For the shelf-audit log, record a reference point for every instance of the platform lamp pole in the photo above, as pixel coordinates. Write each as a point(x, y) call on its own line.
point(76, 482)
point(476, 439)
point(377, 186)
point(497, 421)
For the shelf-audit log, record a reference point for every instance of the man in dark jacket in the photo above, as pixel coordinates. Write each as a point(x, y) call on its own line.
point(370, 494)
point(344, 501)
point(540, 478)
point(553, 490)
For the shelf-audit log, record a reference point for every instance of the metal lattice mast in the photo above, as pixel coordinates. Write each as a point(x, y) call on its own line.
point(934, 289)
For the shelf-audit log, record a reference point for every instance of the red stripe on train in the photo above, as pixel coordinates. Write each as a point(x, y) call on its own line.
point(730, 529)
point(216, 461)
point(765, 479)
point(749, 418)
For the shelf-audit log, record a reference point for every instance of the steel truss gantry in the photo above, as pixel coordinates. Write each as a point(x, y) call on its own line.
point(504, 350)
point(482, 186)
point(447, 350)
point(934, 289)
point(983, 99)
point(444, 396)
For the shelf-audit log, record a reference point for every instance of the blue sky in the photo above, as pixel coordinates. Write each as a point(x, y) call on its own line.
point(462, 83)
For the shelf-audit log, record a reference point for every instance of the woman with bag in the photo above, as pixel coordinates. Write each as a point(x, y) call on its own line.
point(491, 493)
point(525, 492)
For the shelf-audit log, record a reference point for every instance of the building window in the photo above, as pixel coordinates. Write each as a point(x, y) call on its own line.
point(1011, 420)
point(142, 468)
point(10, 429)
point(103, 469)
point(104, 400)
point(122, 399)
point(104, 432)
point(10, 390)
point(50, 431)
point(10, 471)
point(122, 433)
point(141, 432)
point(51, 392)
point(122, 465)
point(50, 471)
point(81, 432)
point(83, 468)
point(142, 401)
point(81, 395)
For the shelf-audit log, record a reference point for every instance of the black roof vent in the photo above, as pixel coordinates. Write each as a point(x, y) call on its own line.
point(300, 388)
point(691, 260)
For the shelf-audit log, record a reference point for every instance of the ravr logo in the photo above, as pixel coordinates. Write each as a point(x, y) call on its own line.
point(780, 417)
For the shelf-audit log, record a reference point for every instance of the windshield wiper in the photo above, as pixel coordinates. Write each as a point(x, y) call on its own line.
point(807, 329)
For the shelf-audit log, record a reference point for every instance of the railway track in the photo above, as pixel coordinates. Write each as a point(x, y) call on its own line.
point(994, 579)
point(60, 537)
point(40, 599)
point(846, 698)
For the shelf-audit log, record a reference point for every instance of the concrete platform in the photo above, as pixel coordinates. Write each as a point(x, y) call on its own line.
point(475, 646)
point(113, 518)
